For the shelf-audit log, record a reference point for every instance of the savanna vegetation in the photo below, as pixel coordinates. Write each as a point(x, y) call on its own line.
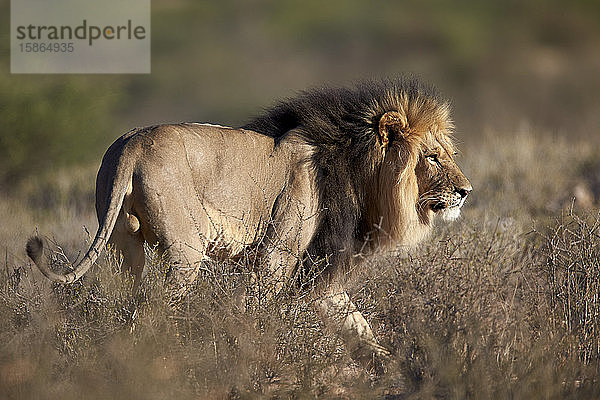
point(497, 305)
point(503, 303)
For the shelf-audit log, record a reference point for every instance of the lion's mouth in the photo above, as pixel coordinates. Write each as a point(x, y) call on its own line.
point(448, 212)
point(437, 207)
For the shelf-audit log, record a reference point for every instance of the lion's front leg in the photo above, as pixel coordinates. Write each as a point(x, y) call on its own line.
point(290, 230)
point(340, 314)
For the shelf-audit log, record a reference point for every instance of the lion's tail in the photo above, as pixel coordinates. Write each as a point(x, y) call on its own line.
point(35, 244)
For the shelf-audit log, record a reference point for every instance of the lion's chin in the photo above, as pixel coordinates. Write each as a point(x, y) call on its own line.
point(450, 213)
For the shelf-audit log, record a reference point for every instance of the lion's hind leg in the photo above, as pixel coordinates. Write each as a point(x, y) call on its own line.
point(185, 259)
point(184, 245)
point(127, 240)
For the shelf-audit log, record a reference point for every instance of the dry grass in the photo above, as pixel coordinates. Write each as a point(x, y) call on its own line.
point(502, 304)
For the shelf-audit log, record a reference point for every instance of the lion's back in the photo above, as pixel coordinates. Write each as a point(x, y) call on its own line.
point(229, 178)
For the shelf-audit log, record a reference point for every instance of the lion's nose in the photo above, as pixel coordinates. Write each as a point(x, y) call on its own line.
point(464, 191)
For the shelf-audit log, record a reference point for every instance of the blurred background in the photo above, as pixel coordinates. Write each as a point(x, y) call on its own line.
point(506, 66)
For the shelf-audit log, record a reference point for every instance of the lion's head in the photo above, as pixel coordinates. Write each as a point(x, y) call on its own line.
point(419, 178)
point(382, 155)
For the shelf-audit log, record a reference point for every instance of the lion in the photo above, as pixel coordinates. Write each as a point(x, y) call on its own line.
point(309, 184)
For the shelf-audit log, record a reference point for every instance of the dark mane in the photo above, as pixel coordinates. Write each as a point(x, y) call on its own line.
point(341, 125)
point(335, 115)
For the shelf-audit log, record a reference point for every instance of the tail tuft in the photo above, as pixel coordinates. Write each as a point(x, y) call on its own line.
point(35, 248)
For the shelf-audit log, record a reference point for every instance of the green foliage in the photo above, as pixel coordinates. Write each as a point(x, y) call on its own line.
point(50, 122)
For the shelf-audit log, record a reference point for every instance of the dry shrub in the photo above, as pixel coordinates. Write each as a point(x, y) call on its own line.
point(225, 339)
point(475, 313)
point(458, 312)
point(573, 272)
point(484, 310)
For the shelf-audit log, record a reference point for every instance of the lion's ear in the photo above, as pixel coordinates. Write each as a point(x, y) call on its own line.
point(392, 125)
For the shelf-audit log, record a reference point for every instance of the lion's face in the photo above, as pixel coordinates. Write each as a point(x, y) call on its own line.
point(418, 165)
point(443, 188)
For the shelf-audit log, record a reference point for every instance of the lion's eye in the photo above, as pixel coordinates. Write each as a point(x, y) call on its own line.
point(433, 159)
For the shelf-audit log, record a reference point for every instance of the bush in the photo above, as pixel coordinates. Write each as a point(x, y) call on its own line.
point(573, 273)
point(50, 123)
point(485, 310)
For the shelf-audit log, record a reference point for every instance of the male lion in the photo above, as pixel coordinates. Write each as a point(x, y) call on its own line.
point(308, 185)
